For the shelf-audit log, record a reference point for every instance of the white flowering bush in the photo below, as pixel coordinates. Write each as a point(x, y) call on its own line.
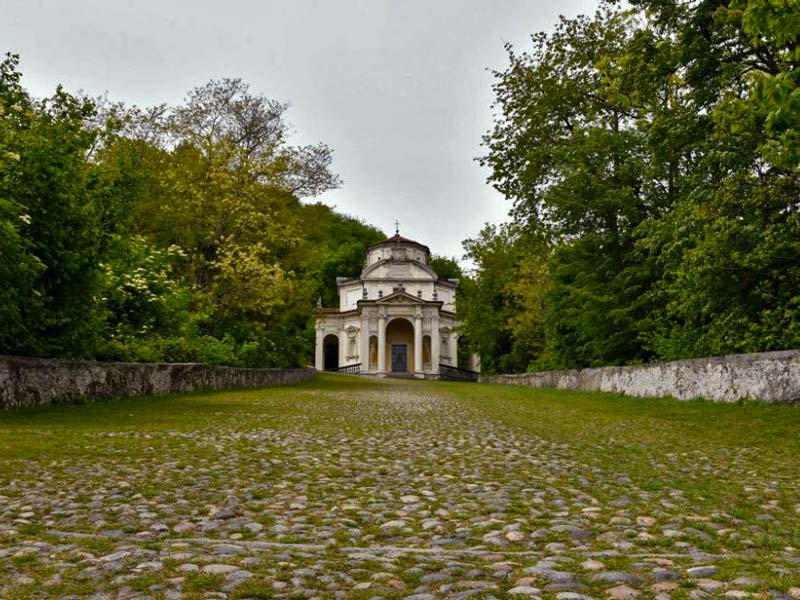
point(142, 296)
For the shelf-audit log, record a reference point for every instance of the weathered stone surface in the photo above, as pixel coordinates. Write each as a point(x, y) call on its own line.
point(219, 569)
point(772, 377)
point(703, 571)
point(523, 590)
point(40, 381)
point(623, 592)
point(616, 577)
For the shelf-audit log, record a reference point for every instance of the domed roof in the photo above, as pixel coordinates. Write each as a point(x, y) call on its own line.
point(398, 239)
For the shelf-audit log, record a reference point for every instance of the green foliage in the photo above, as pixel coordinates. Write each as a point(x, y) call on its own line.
point(656, 146)
point(731, 279)
point(446, 267)
point(773, 29)
point(336, 247)
point(140, 291)
point(164, 234)
point(729, 251)
point(49, 194)
point(502, 307)
point(566, 148)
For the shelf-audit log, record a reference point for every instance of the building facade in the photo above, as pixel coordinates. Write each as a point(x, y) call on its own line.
point(398, 317)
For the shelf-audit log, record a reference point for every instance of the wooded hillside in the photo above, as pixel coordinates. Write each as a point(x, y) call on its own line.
point(166, 233)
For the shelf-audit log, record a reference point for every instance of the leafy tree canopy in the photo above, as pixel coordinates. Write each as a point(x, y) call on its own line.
point(164, 233)
point(654, 146)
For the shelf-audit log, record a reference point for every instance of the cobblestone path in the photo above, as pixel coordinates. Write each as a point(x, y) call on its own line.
point(393, 491)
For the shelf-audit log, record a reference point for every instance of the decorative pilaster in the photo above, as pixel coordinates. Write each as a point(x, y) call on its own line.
point(342, 347)
point(436, 344)
point(418, 372)
point(319, 349)
point(363, 346)
point(382, 341)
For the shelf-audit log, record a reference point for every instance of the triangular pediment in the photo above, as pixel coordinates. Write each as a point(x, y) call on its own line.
point(400, 297)
point(416, 270)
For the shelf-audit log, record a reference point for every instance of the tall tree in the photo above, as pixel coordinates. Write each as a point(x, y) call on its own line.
point(49, 198)
point(221, 183)
point(167, 233)
point(730, 251)
point(657, 147)
point(566, 149)
point(502, 306)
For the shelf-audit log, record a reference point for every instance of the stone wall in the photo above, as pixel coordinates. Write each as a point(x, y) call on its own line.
point(767, 377)
point(39, 381)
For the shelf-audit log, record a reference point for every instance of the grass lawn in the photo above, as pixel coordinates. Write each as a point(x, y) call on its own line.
point(707, 450)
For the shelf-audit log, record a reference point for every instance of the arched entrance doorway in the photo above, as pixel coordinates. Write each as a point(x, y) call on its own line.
point(400, 346)
point(330, 352)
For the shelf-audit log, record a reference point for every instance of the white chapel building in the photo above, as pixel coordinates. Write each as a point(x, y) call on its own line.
point(398, 317)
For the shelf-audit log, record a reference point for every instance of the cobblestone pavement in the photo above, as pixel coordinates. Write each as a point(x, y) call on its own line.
point(397, 491)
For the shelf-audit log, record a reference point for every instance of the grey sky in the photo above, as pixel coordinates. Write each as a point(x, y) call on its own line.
point(399, 89)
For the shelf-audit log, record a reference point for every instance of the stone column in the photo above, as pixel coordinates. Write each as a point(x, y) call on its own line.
point(454, 349)
point(418, 372)
point(436, 344)
point(382, 343)
point(319, 349)
point(363, 346)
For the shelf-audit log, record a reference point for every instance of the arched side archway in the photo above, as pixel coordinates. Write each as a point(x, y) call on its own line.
point(400, 346)
point(330, 352)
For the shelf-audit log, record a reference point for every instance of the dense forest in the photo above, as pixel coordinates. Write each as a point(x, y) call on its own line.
point(652, 155)
point(167, 233)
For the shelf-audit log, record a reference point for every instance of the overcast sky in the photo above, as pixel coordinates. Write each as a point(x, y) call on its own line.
point(399, 89)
